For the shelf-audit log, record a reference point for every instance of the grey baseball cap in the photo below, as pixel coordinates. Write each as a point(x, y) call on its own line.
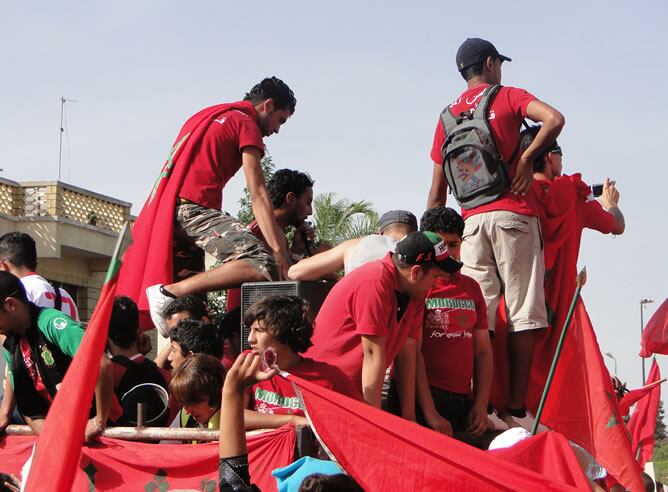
point(397, 217)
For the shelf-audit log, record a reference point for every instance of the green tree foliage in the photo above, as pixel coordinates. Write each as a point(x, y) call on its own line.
point(660, 430)
point(245, 215)
point(337, 220)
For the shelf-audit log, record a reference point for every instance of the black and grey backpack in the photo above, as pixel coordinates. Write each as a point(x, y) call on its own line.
point(472, 164)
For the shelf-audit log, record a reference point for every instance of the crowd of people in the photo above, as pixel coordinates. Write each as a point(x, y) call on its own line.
point(407, 325)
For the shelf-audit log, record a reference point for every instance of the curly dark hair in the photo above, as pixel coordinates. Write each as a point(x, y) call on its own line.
point(285, 181)
point(19, 248)
point(286, 318)
point(200, 378)
point(442, 219)
point(197, 337)
point(124, 322)
point(275, 89)
point(192, 304)
point(339, 482)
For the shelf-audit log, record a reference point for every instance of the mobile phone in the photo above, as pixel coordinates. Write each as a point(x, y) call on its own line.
point(597, 189)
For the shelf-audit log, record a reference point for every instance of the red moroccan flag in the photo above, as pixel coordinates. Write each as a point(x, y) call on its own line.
point(654, 338)
point(633, 396)
point(383, 452)
point(643, 421)
point(149, 260)
point(581, 403)
point(59, 445)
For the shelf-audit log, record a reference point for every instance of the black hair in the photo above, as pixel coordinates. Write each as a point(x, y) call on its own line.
point(192, 304)
point(5, 478)
point(647, 482)
point(340, 482)
point(527, 137)
point(124, 322)
point(11, 286)
point(442, 219)
point(285, 181)
point(19, 248)
point(286, 318)
point(197, 337)
point(275, 89)
point(473, 70)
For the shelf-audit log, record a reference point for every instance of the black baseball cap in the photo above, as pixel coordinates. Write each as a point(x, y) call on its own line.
point(475, 50)
point(424, 247)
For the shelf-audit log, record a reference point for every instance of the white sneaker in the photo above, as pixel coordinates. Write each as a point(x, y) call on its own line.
point(495, 423)
point(157, 302)
point(527, 422)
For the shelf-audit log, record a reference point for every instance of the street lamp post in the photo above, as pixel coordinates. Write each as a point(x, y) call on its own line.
point(608, 354)
point(642, 327)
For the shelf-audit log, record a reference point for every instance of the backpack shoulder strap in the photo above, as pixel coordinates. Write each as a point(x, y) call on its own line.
point(448, 119)
point(482, 110)
point(58, 301)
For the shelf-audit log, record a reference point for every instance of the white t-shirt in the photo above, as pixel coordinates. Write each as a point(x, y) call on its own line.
point(370, 248)
point(42, 293)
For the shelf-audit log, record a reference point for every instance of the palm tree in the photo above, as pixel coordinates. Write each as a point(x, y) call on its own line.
point(337, 220)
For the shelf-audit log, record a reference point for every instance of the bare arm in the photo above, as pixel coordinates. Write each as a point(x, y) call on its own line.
point(373, 368)
point(482, 381)
point(404, 373)
point(553, 121)
point(8, 402)
point(610, 200)
point(104, 389)
point(255, 420)
point(319, 266)
point(161, 359)
point(35, 424)
point(263, 210)
point(439, 188)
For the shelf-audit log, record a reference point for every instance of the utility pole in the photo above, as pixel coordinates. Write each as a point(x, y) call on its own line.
point(642, 327)
point(62, 129)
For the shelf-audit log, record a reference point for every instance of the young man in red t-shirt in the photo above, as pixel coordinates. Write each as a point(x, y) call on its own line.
point(502, 245)
point(280, 325)
point(374, 315)
point(230, 142)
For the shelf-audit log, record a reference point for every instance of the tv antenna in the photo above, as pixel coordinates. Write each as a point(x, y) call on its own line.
point(63, 100)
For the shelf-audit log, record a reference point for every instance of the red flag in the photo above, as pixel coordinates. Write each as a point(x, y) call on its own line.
point(633, 396)
point(63, 432)
point(384, 452)
point(581, 403)
point(654, 338)
point(149, 260)
point(643, 420)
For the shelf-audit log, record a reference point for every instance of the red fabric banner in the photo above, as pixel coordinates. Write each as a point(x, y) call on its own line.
point(582, 405)
point(654, 338)
point(62, 436)
point(114, 465)
point(633, 396)
point(643, 421)
point(149, 260)
point(386, 453)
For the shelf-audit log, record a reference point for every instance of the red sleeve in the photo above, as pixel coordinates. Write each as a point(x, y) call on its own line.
point(519, 99)
point(371, 309)
point(480, 306)
point(439, 140)
point(597, 218)
point(249, 134)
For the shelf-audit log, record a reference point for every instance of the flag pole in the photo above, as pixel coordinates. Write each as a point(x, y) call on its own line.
point(580, 281)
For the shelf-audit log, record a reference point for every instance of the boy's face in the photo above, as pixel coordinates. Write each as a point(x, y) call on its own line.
point(175, 356)
point(259, 338)
point(453, 244)
point(201, 411)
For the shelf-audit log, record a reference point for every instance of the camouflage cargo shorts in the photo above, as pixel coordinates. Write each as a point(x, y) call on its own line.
point(199, 229)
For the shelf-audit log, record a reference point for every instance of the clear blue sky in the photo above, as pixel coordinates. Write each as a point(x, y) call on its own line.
point(371, 79)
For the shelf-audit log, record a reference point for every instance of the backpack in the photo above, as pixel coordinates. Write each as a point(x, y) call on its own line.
point(472, 164)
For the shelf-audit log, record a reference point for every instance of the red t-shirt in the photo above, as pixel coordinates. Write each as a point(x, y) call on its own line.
point(364, 302)
point(218, 158)
point(453, 310)
point(277, 395)
point(508, 109)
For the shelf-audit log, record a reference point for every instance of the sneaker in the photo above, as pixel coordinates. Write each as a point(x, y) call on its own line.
point(157, 302)
point(527, 422)
point(495, 423)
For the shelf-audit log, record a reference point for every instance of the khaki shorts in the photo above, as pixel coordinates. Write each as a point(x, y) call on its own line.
point(503, 252)
point(199, 229)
